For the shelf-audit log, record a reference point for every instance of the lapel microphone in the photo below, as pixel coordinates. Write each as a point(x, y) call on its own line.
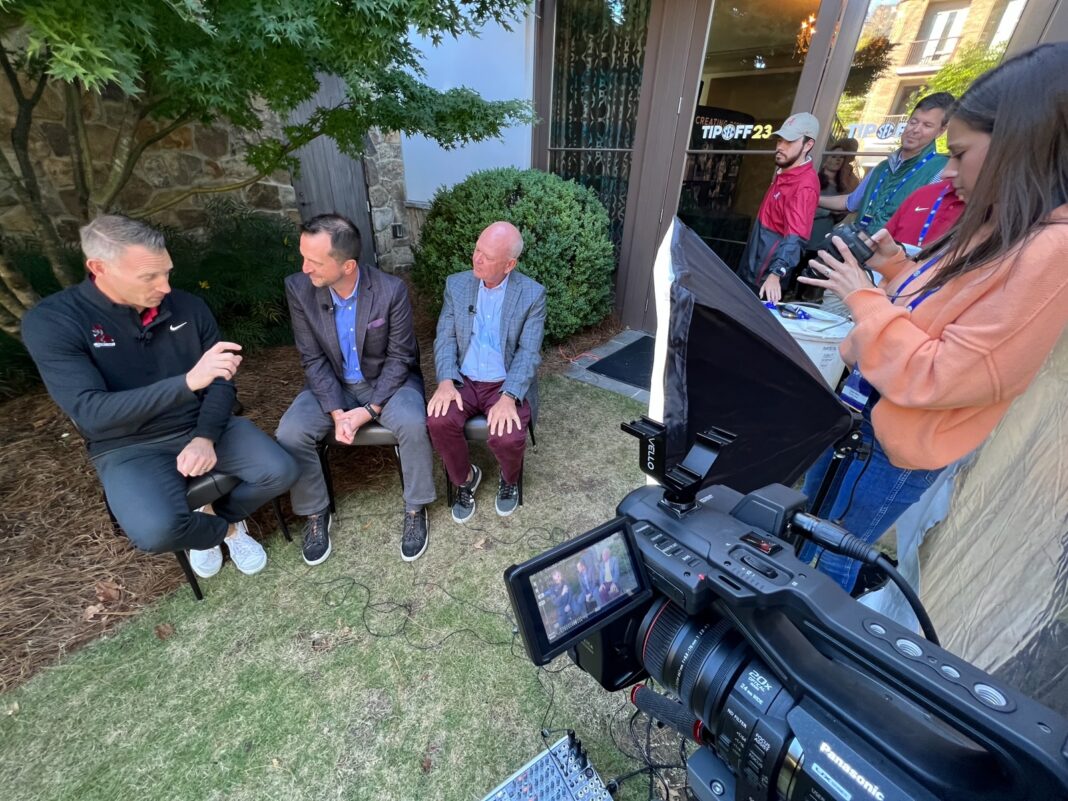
point(470, 309)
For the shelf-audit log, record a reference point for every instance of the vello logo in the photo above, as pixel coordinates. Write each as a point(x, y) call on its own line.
point(868, 787)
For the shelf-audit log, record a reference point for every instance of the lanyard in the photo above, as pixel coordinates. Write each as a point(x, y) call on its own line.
point(865, 221)
point(901, 289)
point(857, 393)
point(931, 215)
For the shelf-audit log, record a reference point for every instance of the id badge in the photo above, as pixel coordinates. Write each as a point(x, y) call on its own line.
point(857, 391)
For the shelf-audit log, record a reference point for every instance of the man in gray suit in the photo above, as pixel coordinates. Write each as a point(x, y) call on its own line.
point(486, 354)
point(353, 328)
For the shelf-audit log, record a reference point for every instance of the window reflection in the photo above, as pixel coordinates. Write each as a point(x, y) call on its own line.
point(911, 48)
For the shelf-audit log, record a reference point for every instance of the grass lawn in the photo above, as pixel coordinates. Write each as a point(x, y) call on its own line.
point(364, 678)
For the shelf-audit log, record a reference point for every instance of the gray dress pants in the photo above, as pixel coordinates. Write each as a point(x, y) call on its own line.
point(304, 424)
point(146, 492)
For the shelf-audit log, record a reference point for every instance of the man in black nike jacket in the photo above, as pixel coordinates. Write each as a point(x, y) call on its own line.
point(141, 372)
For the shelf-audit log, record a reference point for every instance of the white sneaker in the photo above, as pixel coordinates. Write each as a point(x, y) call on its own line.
point(206, 563)
point(248, 555)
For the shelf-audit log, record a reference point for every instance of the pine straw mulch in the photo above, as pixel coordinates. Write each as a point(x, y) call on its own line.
point(66, 576)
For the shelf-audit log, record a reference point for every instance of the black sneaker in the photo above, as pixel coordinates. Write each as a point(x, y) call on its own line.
point(507, 498)
point(416, 535)
point(317, 538)
point(464, 506)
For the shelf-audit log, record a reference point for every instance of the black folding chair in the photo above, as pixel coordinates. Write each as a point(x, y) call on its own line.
point(370, 434)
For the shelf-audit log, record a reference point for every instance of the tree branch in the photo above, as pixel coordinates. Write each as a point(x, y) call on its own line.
point(38, 90)
point(80, 157)
point(10, 304)
point(50, 242)
point(15, 291)
point(118, 180)
point(9, 324)
point(12, 77)
point(198, 190)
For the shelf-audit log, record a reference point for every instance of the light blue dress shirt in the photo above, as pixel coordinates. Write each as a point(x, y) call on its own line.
point(484, 360)
point(345, 322)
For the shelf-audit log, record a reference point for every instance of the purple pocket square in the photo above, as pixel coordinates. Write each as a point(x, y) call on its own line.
point(376, 323)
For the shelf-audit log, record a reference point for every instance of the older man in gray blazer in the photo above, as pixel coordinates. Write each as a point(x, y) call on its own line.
point(486, 354)
point(353, 327)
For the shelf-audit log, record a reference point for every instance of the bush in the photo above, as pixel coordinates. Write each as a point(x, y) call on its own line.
point(237, 266)
point(567, 248)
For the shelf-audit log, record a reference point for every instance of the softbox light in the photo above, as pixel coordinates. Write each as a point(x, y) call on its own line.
point(723, 360)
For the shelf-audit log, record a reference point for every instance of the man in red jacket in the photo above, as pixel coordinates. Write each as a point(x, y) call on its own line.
point(784, 222)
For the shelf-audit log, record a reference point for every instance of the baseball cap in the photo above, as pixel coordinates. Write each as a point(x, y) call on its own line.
point(798, 125)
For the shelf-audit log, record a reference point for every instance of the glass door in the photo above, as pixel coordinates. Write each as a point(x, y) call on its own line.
point(908, 49)
point(750, 81)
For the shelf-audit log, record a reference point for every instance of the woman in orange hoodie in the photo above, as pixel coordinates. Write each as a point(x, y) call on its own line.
point(945, 344)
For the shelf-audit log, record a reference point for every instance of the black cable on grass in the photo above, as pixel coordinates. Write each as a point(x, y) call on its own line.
point(338, 590)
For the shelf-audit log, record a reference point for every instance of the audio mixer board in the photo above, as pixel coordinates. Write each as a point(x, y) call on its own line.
point(560, 773)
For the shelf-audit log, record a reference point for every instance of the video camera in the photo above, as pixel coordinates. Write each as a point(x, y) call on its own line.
point(794, 690)
point(853, 236)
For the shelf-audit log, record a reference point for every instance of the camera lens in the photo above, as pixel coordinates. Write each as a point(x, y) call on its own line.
point(713, 671)
point(697, 658)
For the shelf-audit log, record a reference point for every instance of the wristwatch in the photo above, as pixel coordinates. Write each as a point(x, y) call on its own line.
point(371, 411)
point(513, 396)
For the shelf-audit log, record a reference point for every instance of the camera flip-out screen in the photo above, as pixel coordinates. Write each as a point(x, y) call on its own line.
point(564, 595)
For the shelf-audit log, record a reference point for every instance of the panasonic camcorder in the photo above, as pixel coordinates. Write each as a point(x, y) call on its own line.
point(793, 689)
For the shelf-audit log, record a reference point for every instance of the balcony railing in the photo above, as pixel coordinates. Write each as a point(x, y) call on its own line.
point(931, 52)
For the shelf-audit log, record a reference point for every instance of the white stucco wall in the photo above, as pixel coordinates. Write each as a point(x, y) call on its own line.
point(499, 65)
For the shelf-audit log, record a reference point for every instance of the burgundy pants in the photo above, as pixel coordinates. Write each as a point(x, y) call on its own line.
point(447, 433)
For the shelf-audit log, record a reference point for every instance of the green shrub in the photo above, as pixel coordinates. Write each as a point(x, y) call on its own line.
point(237, 266)
point(567, 248)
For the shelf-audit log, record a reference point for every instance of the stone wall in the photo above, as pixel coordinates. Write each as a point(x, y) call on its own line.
point(384, 170)
point(191, 155)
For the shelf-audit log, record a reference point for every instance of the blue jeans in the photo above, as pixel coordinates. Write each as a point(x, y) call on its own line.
point(880, 494)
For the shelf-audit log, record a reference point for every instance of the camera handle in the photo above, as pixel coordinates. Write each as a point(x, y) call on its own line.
point(835, 538)
point(682, 481)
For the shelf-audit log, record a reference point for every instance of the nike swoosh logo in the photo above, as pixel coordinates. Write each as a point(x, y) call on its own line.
point(176, 327)
point(918, 208)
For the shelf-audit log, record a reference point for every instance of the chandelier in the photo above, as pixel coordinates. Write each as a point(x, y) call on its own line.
point(804, 37)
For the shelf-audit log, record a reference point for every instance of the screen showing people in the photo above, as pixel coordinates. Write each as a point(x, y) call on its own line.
point(576, 588)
